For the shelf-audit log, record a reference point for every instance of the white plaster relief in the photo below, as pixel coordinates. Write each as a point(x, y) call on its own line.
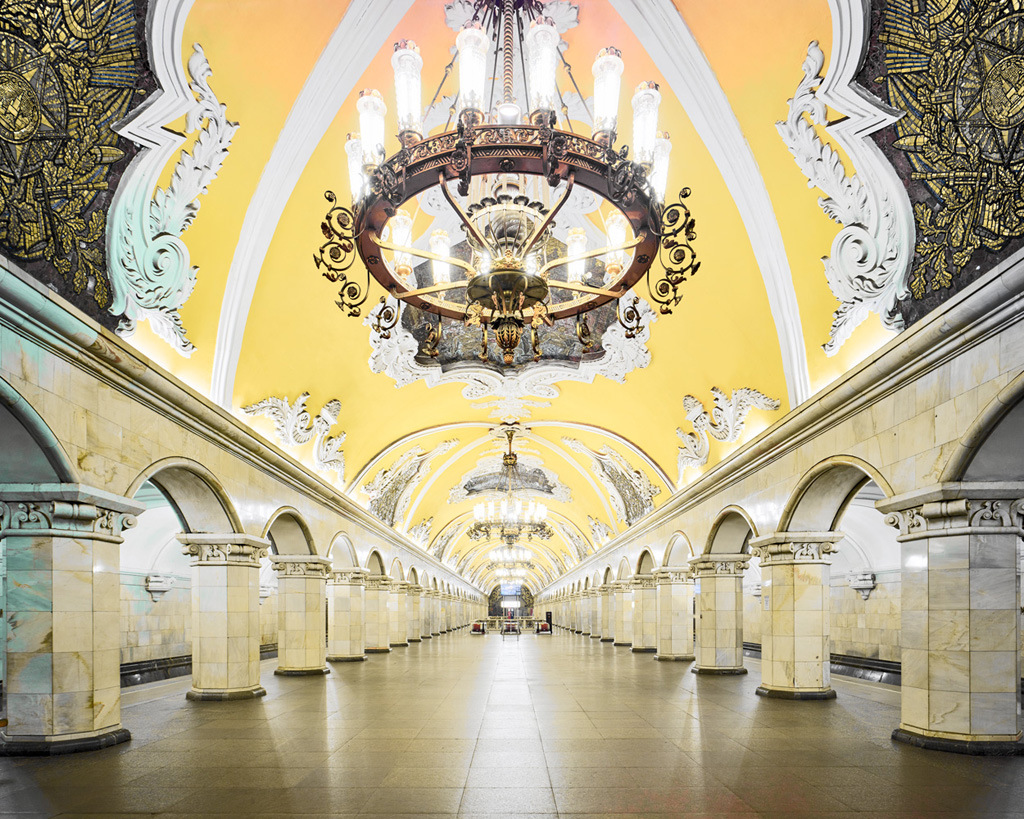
point(149, 266)
point(724, 423)
point(575, 539)
point(509, 397)
point(294, 427)
point(391, 489)
point(630, 490)
point(420, 533)
point(870, 262)
point(600, 532)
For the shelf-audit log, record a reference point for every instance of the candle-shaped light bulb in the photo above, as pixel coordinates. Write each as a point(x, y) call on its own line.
point(646, 100)
point(440, 245)
point(472, 44)
point(615, 229)
point(356, 178)
point(542, 64)
point(372, 109)
point(607, 81)
point(407, 65)
point(659, 173)
point(575, 244)
point(401, 234)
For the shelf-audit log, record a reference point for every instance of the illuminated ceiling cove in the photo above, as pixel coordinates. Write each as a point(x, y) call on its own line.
point(258, 108)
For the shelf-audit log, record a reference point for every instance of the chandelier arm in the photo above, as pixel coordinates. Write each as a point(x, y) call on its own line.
point(590, 254)
point(466, 223)
point(568, 70)
point(539, 230)
point(426, 291)
point(582, 288)
point(423, 254)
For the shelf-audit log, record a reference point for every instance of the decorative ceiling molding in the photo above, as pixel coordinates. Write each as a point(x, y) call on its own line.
point(149, 273)
point(490, 464)
point(509, 396)
point(670, 43)
point(391, 489)
point(600, 532)
point(869, 268)
point(420, 533)
point(724, 423)
point(577, 540)
point(358, 38)
point(630, 490)
point(293, 427)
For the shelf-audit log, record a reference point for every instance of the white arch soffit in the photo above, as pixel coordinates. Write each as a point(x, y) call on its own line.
point(659, 25)
point(354, 43)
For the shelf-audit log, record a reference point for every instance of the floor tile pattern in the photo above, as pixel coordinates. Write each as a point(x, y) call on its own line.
point(537, 727)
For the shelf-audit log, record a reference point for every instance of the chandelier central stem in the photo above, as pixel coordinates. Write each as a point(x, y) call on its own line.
point(507, 75)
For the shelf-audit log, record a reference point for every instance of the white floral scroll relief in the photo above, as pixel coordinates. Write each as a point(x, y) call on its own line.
point(420, 533)
point(391, 489)
point(600, 532)
point(870, 259)
point(509, 397)
point(724, 423)
point(149, 265)
point(294, 427)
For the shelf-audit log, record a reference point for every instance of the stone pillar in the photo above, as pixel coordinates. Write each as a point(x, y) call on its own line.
point(796, 602)
point(675, 614)
point(645, 614)
point(607, 613)
point(427, 602)
point(225, 615)
point(719, 591)
point(623, 613)
point(301, 614)
point(577, 614)
point(378, 634)
point(585, 600)
point(346, 609)
point(596, 600)
point(63, 683)
point(413, 609)
point(449, 605)
point(960, 622)
point(398, 616)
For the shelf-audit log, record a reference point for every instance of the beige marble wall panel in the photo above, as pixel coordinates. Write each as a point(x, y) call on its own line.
point(155, 629)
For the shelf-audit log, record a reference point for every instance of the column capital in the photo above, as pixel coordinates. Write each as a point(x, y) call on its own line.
point(608, 588)
point(301, 565)
point(642, 581)
point(674, 574)
point(231, 547)
point(796, 547)
point(347, 577)
point(960, 516)
point(623, 585)
point(398, 586)
point(414, 588)
point(377, 581)
point(66, 510)
point(719, 564)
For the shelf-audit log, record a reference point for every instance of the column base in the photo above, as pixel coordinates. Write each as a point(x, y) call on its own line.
point(301, 672)
point(428, 636)
point(718, 672)
point(785, 694)
point(347, 658)
point(215, 695)
point(39, 747)
point(639, 650)
point(961, 746)
point(607, 639)
point(399, 645)
point(435, 634)
point(674, 658)
point(626, 645)
point(415, 640)
point(377, 650)
point(595, 636)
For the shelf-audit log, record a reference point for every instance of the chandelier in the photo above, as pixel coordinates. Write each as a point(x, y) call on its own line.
point(510, 519)
point(514, 267)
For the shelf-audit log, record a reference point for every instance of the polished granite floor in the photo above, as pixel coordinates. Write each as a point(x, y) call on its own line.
point(543, 726)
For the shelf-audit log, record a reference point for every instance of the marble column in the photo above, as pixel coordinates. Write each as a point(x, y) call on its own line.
point(225, 615)
point(623, 613)
point(607, 613)
point(796, 603)
point(301, 614)
point(577, 612)
point(427, 601)
point(378, 634)
point(449, 607)
point(63, 684)
point(960, 620)
point(645, 614)
point(596, 600)
point(585, 601)
point(398, 616)
point(346, 610)
point(719, 592)
point(413, 608)
point(675, 614)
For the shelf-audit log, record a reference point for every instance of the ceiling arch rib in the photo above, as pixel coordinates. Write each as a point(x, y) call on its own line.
point(676, 53)
point(352, 46)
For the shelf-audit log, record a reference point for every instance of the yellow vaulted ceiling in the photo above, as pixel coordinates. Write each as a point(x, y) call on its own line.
point(296, 340)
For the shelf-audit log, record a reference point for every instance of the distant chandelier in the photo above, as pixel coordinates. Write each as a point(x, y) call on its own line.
point(510, 519)
point(512, 269)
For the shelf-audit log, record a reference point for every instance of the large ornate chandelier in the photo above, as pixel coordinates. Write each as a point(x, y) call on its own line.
point(514, 267)
point(510, 519)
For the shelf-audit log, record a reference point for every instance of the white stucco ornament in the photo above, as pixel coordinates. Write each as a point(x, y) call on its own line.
point(869, 265)
point(294, 427)
point(151, 276)
point(630, 491)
